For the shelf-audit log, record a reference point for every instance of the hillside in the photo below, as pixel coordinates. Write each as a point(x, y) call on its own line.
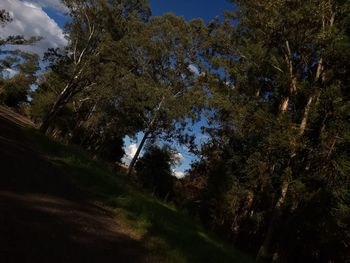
point(59, 205)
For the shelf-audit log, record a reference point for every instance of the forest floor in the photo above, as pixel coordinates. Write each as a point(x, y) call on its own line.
point(59, 205)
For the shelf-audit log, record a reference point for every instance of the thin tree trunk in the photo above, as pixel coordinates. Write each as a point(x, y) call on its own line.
point(150, 128)
point(136, 156)
point(320, 76)
point(56, 108)
point(312, 98)
point(263, 253)
point(65, 95)
point(68, 92)
point(306, 114)
point(293, 80)
point(284, 104)
point(245, 211)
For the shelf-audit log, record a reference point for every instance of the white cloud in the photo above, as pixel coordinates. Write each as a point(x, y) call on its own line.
point(178, 158)
point(230, 84)
point(179, 174)
point(193, 68)
point(132, 148)
point(9, 73)
point(54, 4)
point(29, 20)
point(130, 152)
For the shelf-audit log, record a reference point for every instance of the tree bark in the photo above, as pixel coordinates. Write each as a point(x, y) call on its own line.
point(306, 114)
point(56, 108)
point(319, 76)
point(263, 253)
point(244, 212)
point(150, 129)
point(136, 156)
point(68, 92)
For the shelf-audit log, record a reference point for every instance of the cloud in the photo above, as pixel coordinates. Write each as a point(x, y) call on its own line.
point(54, 4)
point(178, 158)
point(29, 19)
point(9, 73)
point(130, 151)
point(179, 174)
point(193, 68)
point(132, 148)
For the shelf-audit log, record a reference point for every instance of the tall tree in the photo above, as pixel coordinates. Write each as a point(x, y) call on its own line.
point(166, 59)
point(279, 62)
point(92, 24)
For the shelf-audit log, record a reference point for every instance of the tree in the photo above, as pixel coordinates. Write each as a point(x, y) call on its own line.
point(15, 89)
point(154, 170)
point(93, 24)
point(164, 52)
point(281, 69)
point(4, 17)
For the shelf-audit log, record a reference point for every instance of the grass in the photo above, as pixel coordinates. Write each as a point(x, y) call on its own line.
point(169, 234)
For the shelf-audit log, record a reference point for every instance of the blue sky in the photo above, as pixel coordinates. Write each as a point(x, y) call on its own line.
point(189, 9)
point(45, 18)
point(205, 9)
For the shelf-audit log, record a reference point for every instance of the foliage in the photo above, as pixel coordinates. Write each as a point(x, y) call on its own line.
point(15, 89)
point(164, 53)
point(154, 171)
point(273, 77)
point(93, 27)
point(282, 137)
point(4, 17)
point(168, 234)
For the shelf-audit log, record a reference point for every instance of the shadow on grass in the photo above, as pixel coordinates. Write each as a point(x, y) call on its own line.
point(168, 233)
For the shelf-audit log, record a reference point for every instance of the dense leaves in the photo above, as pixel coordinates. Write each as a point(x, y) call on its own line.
point(272, 79)
point(154, 171)
point(277, 167)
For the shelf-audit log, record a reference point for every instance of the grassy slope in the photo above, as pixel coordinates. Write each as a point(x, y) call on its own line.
point(170, 235)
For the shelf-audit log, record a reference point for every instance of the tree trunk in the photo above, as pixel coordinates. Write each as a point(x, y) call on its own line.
point(56, 108)
point(320, 76)
point(307, 109)
point(264, 252)
point(244, 212)
point(136, 156)
point(284, 104)
point(150, 128)
point(66, 94)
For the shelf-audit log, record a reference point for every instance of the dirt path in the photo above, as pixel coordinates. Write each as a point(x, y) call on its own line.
point(43, 218)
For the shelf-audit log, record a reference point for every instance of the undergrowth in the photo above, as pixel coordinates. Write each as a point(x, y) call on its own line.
point(169, 234)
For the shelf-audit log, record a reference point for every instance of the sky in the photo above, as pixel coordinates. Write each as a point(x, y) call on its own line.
point(46, 18)
point(30, 19)
point(189, 9)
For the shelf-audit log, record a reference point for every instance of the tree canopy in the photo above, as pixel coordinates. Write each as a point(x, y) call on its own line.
point(272, 80)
